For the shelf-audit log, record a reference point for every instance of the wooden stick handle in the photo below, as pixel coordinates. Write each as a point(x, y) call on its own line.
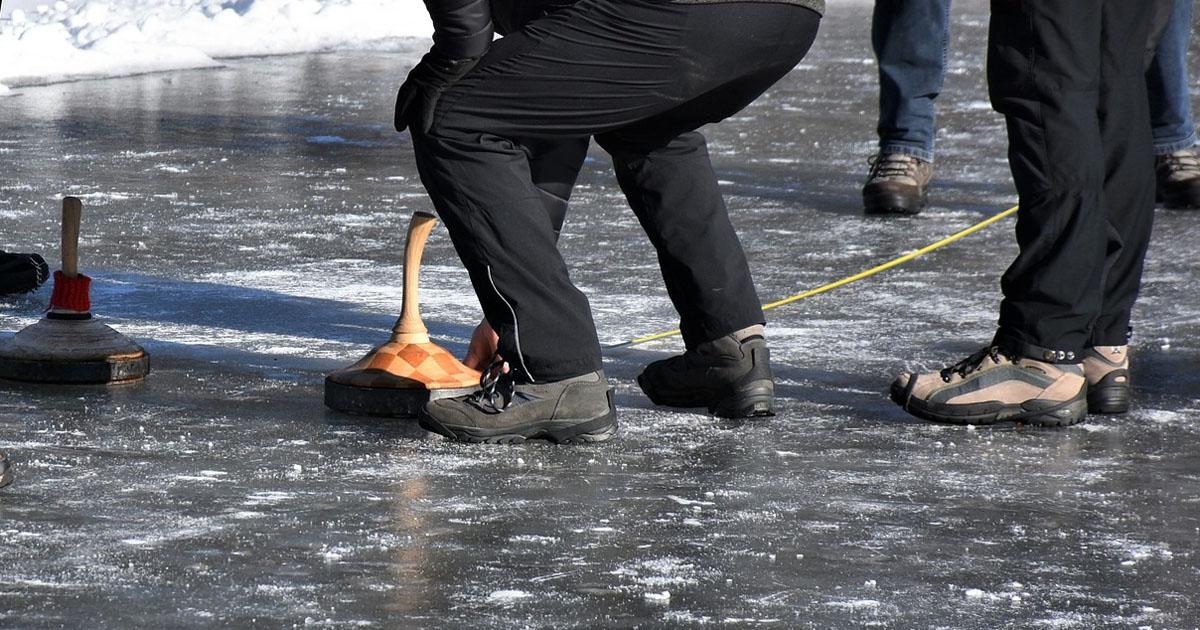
point(71, 215)
point(409, 328)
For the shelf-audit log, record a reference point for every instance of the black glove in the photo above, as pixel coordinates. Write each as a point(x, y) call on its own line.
point(419, 95)
point(21, 273)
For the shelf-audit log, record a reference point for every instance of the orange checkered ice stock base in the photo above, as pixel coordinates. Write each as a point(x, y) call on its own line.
point(399, 377)
point(408, 366)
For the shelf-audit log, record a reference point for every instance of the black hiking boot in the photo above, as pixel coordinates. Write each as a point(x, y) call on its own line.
point(570, 411)
point(6, 476)
point(732, 379)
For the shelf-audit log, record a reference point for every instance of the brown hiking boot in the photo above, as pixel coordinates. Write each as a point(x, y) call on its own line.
point(1106, 369)
point(990, 386)
point(1178, 179)
point(897, 184)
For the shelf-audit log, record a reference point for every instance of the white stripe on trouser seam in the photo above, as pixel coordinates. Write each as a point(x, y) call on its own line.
point(516, 328)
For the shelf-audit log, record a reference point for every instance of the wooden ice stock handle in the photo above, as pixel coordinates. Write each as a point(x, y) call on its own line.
point(71, 216)
point(410, 328)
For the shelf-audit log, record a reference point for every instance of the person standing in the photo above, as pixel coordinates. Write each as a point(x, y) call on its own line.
point(1176, 166)
point(1068, 76)
point(640, 76)
point(911, 39)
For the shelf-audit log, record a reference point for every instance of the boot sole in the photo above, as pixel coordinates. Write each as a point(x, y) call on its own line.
point(1034, 412)
point(892, 203)
point(563, 431)
point(753, 400)
point(1176, 201)
point(1111, 394)
point(558, 431)
point(1108, 400)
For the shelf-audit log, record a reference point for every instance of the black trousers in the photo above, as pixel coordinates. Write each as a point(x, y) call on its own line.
point(1068, 76)
point(640, 76)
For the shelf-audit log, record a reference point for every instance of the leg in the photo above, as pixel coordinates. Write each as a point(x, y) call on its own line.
point(1128, 185)
point(554, 165)
point(1168, 84)
point(568, 76)
point(1068, 80)
point(673, 191)
point(498, 221)
point(911, 39)
point(1044, 76)
point(669, 182)
point(598, 67)
point(1177, 168)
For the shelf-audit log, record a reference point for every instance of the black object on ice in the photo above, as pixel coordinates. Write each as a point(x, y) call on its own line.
point(5, 472)
point(22, 273)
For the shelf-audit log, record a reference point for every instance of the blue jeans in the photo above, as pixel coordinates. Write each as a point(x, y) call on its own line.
point(1167, 82)
point(911, 37)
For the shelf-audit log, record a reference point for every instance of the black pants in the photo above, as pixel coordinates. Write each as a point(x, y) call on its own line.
point(640, 76)
point(1068, 76)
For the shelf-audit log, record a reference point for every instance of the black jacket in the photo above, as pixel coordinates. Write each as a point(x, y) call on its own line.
point(461, 28)
point(464, 28)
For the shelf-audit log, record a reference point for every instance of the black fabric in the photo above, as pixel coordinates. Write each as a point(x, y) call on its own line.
point(418, 95)
point(640, 76)
point(22, 273)
point(1068, 77)
point(510, 15)
point(461, 28)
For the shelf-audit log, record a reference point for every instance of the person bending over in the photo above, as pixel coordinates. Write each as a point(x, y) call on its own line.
point(640, 76)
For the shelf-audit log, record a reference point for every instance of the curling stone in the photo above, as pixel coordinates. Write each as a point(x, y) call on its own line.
point(400, 376)
point(69, 345)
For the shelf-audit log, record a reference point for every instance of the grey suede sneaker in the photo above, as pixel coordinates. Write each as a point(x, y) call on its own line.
point(897, 184)
point(573, 410)
point(1107, 371)
point(6, 476)
point(731, 378)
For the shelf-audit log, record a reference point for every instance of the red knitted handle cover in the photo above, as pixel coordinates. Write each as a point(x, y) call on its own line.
point(71, 294)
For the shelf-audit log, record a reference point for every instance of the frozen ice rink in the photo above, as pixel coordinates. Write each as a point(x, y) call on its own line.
point(246, 224)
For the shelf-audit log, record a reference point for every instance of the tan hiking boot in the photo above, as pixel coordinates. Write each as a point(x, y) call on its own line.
point(897, 184)
point(1177, 176)
point(1106, 369)
point(990, 386)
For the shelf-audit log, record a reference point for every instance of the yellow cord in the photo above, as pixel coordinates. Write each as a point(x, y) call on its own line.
point(855, 278)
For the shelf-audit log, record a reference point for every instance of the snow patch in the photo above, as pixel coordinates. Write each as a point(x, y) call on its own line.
point(855, 604)
point(507, 596)
point(103, 38)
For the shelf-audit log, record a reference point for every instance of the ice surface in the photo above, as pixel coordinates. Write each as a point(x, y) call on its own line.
point(251, 259)
point(49, 42)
